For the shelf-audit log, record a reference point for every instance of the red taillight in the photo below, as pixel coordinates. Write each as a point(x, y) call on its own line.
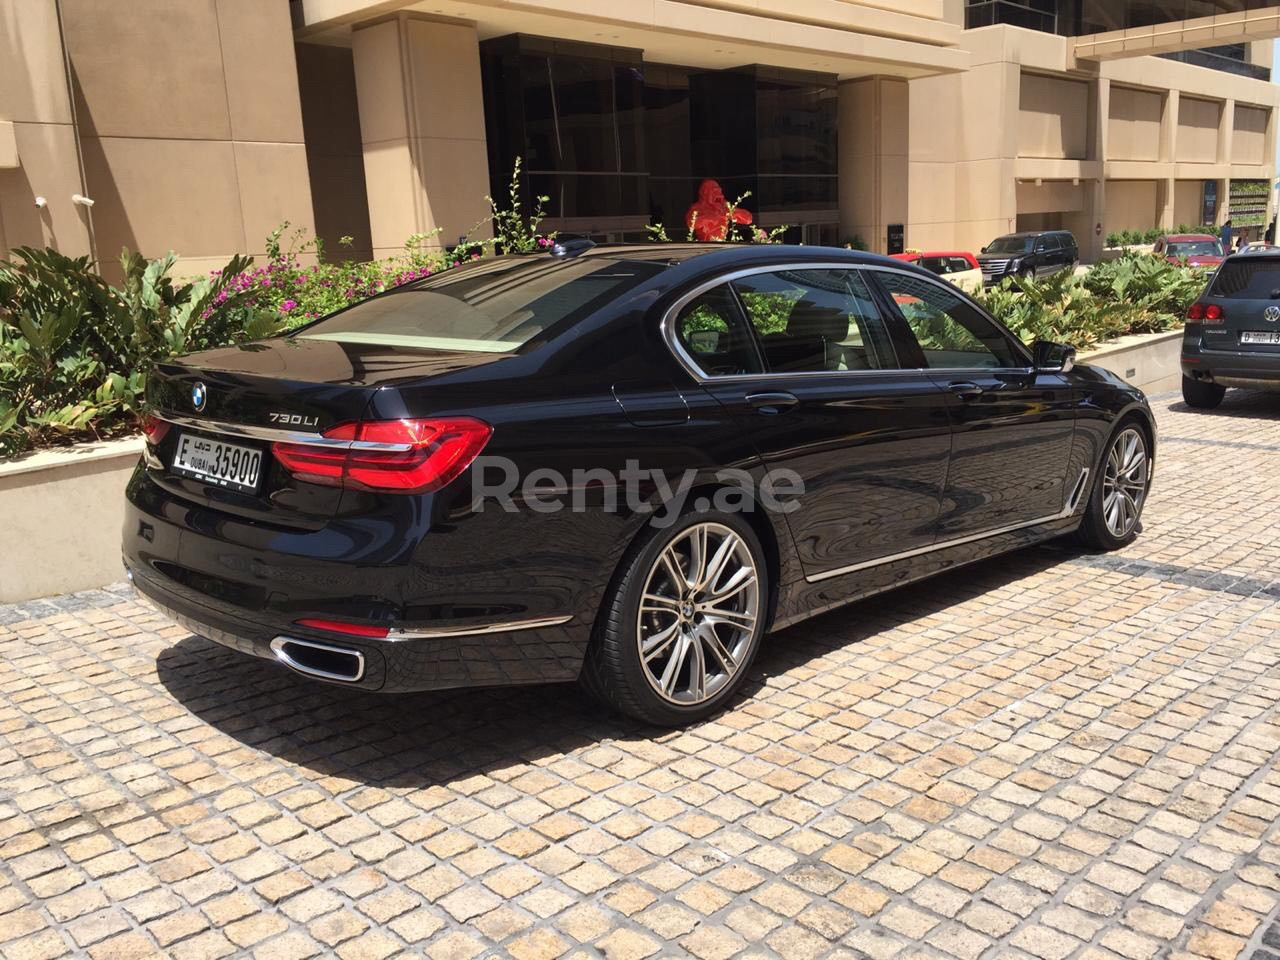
point(430, 454)
point(154, 429)
point(337, 626)
point(1212, 313)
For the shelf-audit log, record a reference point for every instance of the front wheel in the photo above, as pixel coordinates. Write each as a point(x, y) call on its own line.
point(682, 621)
point(1201, 395)
point(1119, 494)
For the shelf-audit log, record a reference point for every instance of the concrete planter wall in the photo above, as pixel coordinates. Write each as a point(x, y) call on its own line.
point(60, 517)
point(1148, 360)
point(61, 511)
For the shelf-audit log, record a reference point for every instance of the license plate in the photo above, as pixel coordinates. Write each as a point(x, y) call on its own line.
point(1259, 336)
point(213, 461)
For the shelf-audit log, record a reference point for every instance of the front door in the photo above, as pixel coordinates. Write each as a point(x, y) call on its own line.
point(828, 400)
point(1013, 425)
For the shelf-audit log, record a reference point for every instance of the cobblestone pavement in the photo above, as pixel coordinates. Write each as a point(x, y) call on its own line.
point(1050, 755)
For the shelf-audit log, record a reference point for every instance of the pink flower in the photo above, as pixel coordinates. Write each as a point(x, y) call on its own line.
point(288, 305)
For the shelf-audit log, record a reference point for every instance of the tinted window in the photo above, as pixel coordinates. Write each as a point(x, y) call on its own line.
point(493, 306)
point(810, 320)
point(1248, 279)
point(951, 333)
point(1010, 245)
point(713, 332)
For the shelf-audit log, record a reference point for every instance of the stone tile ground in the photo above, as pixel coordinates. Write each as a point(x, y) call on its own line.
point(1051, 755)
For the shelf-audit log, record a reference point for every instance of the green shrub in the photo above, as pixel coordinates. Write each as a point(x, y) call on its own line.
point(1135, 293)
point(74, 350)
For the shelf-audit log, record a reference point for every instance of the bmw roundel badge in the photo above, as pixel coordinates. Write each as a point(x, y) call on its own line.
point(198, 396)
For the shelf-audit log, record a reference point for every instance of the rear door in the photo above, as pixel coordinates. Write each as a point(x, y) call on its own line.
point(1013, 425)
point(814, 379)
point(1247, 291)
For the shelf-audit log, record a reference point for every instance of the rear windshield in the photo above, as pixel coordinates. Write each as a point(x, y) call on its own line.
point(1248, 279)
point(493, 306)
point(1194, 248)
point(1010, 245)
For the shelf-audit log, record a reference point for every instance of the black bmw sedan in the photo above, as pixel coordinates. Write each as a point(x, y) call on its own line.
point(622, 465)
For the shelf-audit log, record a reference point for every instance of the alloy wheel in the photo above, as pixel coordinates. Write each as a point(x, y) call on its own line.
point(1124, 482)
point(698, 613)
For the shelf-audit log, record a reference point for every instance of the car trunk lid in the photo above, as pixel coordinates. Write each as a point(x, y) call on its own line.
point(229, 405)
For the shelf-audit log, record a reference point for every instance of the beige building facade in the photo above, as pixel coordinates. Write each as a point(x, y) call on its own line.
point(200, 125)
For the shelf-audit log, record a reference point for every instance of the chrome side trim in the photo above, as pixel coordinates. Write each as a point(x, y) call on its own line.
point(667, 327)
point(276, 435)
point(469, 631)
point(1073, 501)
point(278, 647)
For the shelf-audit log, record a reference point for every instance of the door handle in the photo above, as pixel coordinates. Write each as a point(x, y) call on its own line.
point(770, 404)
point(965, 389)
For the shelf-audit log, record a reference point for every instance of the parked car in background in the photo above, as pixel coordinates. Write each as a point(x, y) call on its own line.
point(1198, 249)
point(1028, 254)
point(954, 266)
point(1232, 336)
point(314, 499)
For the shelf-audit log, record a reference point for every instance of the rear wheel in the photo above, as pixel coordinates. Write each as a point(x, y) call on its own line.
point(1202, 395)
point(1120, 492)
point(682, 621)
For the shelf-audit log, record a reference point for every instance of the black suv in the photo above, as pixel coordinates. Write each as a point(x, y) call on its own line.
point(1036, 253)
point(1232, 336)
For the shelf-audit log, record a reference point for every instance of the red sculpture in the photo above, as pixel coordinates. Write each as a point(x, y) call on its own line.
point(708, 216)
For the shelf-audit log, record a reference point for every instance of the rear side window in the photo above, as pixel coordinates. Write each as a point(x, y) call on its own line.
point(814, 320)
point(714, 334)
point(494, 306)
point(1257, 279)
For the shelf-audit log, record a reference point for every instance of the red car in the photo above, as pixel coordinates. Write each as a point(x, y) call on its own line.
point(959, 267)
point(1198, 249)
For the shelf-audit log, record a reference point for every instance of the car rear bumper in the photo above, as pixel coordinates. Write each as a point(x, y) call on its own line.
point(1233, 368)
point(246, 587)
point(543, 652)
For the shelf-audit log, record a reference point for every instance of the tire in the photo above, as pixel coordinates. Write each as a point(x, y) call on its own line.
point(1027, 273)
point(1201, 395)
point(658, 689)
point(1114, 513)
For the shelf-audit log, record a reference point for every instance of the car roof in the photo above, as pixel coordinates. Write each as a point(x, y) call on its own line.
point(1180, 237)
point(713, 254)
point(1036, 233)
point(932, 253)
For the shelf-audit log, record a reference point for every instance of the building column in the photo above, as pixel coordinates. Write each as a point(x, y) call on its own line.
point(1169, 127)
point(422, 130)
point(1226, 130)
point(873, 116)
point(1166, 190)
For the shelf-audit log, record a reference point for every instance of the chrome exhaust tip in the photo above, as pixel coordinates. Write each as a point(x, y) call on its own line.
point(325, 661)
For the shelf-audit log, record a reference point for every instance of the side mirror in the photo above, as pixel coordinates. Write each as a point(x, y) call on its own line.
point(1053, 357)
point(983, 250)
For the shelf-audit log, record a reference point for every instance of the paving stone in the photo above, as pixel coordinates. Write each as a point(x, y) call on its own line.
point(1054, 754)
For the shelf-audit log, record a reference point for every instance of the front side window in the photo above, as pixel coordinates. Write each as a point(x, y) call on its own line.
point(950, 332)
point(493, 306)
point(712, 331)
point(813, 320)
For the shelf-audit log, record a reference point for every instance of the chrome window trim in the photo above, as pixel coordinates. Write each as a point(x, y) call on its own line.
point(1072, 504)
point(667, 327)
point(277, 647)
point(277, 435)
point(470, 631)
